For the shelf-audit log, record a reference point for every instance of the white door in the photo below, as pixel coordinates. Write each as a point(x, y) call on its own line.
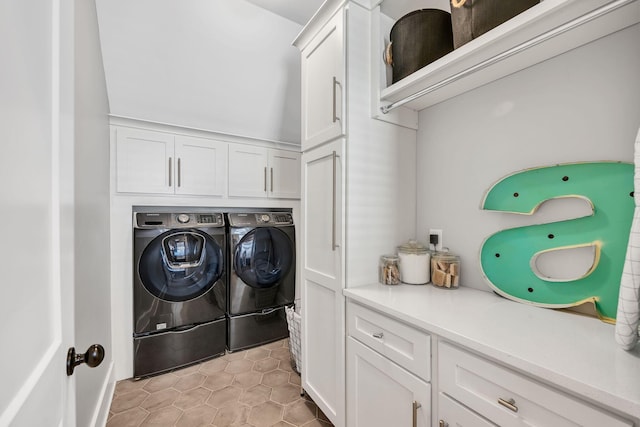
point(323, 84)
point(248, 171)
point(201, 168)
point(323, 305)
point(145, 161)
point(381, 393)
point(36, 197)
point(284, 171)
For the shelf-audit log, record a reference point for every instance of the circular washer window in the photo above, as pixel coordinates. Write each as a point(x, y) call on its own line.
point(181, 265)
point(263, 257)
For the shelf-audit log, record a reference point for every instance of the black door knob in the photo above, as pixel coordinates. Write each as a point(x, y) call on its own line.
point(92, 357)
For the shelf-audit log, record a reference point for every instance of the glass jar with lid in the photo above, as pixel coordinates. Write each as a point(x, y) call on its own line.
point(445, 270)
point(414, 263)
point(389, 270)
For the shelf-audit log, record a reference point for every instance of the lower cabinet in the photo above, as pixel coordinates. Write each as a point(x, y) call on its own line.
point(495, 393)
point(388, 369)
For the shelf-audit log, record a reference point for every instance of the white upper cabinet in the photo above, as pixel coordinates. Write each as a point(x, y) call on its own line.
point(263, 172)
point(163, 163)
point(201, 167)
point(323, 84)
point(144, 161)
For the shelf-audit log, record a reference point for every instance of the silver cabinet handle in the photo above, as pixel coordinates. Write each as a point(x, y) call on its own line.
point(179, 174)
point(335, 99)
point(265, 179)
point(334, 245)
point(509, 404)
point(416, 405)
point(378, 335)
point(170, 170)
point(272, 180)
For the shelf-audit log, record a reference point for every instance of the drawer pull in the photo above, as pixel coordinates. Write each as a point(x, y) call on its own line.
point(378, 335)
point(509, 404)
point(443, 423)
point(416, 405)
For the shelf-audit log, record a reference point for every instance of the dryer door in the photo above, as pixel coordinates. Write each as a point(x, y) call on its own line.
point(263, 257)
point(181, 265)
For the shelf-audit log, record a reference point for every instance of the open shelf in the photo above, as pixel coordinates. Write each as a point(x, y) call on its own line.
point(541, 32)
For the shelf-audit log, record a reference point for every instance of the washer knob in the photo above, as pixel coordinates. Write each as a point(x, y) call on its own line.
point(183, 218)
point(264, 218)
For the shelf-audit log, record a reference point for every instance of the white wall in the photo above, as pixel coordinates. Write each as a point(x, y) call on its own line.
point(581, 106)
point(92, 217)
point(224, 65)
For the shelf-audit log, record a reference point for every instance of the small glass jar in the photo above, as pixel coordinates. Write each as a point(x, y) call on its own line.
point(445, 270)
point(389, 270)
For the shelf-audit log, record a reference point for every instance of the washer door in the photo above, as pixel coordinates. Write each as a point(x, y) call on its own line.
point(263, 257)
point(181, 265)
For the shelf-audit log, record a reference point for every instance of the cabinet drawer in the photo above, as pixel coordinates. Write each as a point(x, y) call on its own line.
point(452, 413)
point(508, 398)
point(405, 345)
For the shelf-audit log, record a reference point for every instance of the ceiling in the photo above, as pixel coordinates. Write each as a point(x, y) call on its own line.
point(299, 11)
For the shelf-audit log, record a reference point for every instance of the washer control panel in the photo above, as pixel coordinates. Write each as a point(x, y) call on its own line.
point(178, 220)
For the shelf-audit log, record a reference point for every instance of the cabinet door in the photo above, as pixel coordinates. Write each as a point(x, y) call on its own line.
point(323, 306)
point(201, 166)
point(248, 171)
point(144, 161)
point(323, 84)
point(284, 174)
point(381, 393)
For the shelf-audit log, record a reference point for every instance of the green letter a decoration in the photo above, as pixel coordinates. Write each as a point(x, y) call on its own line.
point(506, 257)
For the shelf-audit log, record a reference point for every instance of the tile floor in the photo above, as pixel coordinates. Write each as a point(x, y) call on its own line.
point(250, 388)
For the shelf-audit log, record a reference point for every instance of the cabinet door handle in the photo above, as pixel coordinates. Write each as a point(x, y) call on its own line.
point(509, 404)
point(265, 179)
point(179, 174)
point(443, 423)
point(378, 335)
point(272, 180)
point(170, 170)
point(335, 100)
point(334, 244)
point(416, 405)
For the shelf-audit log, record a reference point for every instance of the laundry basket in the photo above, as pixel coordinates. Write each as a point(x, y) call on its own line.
point(293, 323)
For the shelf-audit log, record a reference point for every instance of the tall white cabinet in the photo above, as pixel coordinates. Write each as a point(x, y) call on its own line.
point(358, 186)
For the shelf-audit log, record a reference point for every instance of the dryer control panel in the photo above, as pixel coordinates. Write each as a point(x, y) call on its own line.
point(260, 219)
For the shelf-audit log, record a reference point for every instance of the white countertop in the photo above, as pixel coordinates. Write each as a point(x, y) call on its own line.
point(570, 351)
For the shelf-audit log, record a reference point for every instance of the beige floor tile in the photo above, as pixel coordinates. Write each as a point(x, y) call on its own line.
point(125, 401)
point(265, 414)
point(275, 378)
point(218, 381)
point(190, 381)
point(130, 418)
point(249, 388)
point(234, 415)
point(225, 397)
point(266, 365)
point(192, 398)
point(198, 416)
point(246, 380)
point(238, 366)
point(255, 395)
point(160, 399)
point(300, 412)
point(161, 382)
point(164, 417)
